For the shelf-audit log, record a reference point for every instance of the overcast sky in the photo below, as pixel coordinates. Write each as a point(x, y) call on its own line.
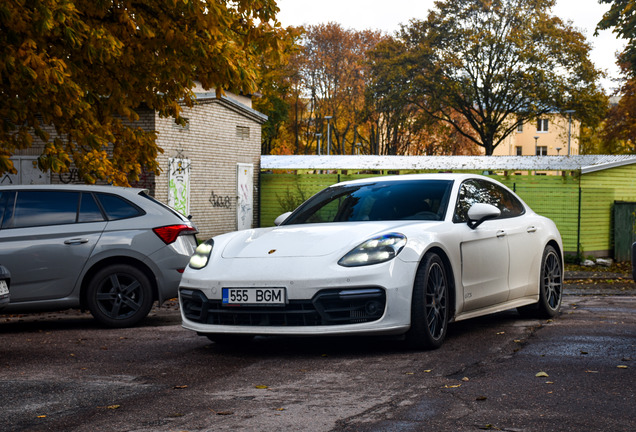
point(387, 15)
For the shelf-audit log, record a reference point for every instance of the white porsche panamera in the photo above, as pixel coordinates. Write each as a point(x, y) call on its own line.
point(387, 255)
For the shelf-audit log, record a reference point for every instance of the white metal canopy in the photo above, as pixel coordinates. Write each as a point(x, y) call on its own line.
point(585, 164)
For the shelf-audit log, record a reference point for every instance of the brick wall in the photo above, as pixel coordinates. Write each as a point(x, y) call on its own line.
point(215, 140)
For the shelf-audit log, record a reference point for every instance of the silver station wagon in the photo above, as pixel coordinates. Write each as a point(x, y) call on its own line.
point(111, 250)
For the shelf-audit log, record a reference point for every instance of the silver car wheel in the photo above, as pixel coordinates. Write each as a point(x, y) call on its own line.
point(550, 287)
point(119, 296)
point(429, 305)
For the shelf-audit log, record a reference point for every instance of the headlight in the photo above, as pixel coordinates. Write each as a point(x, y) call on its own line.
point(375, 250)
point(201, 255)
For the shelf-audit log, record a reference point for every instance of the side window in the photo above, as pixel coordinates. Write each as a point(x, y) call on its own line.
point(38, 208)
point(468, 195)
point(7, 199)
point(117, 208)
point(509, 205)
point(89, 210)
point(482, 191)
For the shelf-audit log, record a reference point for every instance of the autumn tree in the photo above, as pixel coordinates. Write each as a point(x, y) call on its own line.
point(488, 64)
point(332, 71)
point(618, 132)
point(84, 68)
point(397, 125)
point(279, 88)
point(619, 127)
point(390, 116)
point(621, 18)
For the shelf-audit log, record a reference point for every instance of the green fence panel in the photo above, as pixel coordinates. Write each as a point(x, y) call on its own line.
point(624, 229)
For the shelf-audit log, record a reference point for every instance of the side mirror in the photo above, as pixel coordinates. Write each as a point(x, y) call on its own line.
point(478, 213)
point(280, 219)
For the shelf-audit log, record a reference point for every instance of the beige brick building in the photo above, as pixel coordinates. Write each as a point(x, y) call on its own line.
point(545, 136)
point(206, 166)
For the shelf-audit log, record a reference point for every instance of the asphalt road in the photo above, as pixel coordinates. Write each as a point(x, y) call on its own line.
point(61, 372)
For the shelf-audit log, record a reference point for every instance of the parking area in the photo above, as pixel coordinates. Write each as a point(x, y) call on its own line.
point(61, 371)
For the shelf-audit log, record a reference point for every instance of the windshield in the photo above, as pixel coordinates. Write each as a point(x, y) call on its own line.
point(379, 201)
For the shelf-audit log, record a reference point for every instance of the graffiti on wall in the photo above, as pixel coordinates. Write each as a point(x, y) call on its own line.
point(245, 193)
point(179, 185)
point(220, 200)
point(72, 176)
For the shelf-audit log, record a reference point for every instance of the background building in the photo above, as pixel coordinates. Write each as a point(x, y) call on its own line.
point(546, 136)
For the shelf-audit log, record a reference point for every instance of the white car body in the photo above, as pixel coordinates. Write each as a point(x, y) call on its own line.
point(304, 259)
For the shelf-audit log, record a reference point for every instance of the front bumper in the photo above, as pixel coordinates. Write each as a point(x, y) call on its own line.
point(326, 308)
point(364, 300)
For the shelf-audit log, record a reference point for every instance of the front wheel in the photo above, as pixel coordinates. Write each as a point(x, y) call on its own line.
point(429, 305)
point(550, 287)
point(119, 295)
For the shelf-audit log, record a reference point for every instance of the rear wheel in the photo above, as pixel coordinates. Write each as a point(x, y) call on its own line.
point(119, 295)
point(429, 305)
point(550, 287)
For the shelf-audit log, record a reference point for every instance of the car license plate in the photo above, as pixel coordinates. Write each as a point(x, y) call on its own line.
point(254, 296)
point(4, 289)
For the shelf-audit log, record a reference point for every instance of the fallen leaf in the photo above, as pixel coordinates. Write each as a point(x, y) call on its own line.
point(452, 386)
point(622, 366)
point(549, 382)
point(591, 371)
point(224, 413)
point(465, 379)
point(428, 370)
point(180, 387)
point(584, 352)
point(113, 407)
point(261, 387)
point(409, 373)
point(500, 333)
point(41, 416)
point(481, 398)
point(542, 375)
point(280, 409)
point(517, 341)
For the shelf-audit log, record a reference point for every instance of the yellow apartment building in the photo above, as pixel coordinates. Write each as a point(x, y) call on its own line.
point(545, 136)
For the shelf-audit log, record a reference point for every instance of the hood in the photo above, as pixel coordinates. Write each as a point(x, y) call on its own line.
point(309, 240)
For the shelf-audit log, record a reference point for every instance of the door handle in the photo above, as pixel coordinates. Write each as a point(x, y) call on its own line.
point(532, 229)
point(501, 233)
point(75, 241)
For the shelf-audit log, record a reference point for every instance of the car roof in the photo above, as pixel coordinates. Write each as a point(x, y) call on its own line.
point(414, 177)
point(77, 188)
